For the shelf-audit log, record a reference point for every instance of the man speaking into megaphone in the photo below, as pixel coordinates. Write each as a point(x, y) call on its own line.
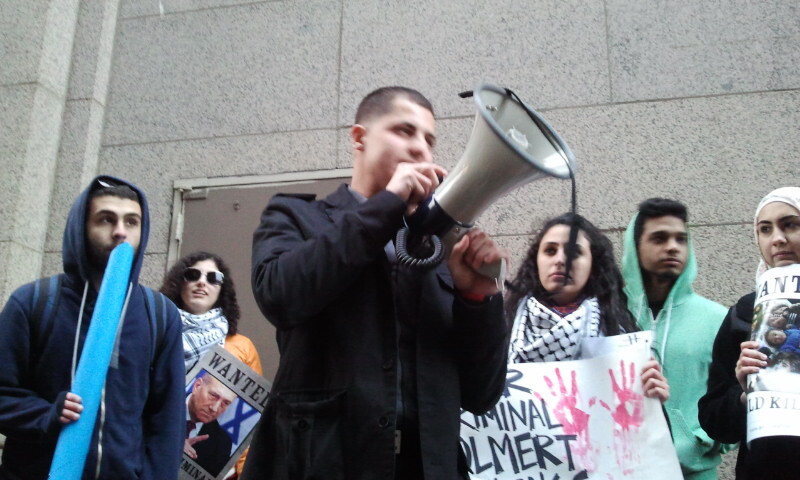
point(377, 358)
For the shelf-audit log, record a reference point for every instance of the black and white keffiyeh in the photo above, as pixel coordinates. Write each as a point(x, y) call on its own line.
point(200, 333)
point(542, 335)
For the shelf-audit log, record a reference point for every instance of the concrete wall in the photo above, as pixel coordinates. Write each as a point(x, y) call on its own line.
point(692, 100)
point(35, 46)
point(698, 101)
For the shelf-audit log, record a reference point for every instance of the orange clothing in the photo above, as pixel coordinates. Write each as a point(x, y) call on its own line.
point(243, 349)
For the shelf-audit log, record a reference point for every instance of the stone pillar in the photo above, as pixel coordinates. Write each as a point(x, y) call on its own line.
point(57, 59)
point(84, 114)
point(36, 47)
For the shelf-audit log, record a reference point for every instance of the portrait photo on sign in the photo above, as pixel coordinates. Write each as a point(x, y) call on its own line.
point(776, 328)
point(773, 394)
point(224, 401)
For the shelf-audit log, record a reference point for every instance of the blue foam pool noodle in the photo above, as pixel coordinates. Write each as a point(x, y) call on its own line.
point(90, 377)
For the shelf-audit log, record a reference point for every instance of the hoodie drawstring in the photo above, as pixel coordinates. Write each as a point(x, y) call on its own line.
point(668, 307)
point(662, 352)
point(78, 335)
point(103, 392)
point(75, 361)
point(100, 432)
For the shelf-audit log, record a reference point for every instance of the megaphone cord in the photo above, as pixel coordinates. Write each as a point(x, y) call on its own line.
point(405, 258)
point(573, 230)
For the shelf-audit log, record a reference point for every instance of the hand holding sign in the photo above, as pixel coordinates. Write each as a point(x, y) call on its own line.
point(653, 381)
point(751, 361)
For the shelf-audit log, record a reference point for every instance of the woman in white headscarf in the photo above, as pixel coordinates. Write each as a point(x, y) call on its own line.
point(723, 409)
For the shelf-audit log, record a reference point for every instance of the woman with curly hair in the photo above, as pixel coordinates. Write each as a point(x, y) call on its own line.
point(553, 312)
point(201, 287)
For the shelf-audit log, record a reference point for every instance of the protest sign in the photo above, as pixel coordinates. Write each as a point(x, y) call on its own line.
point(773, 398)
point(574, 420)
point(224, 401)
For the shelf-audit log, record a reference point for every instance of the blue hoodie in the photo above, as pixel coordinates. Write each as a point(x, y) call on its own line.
point(140, 428)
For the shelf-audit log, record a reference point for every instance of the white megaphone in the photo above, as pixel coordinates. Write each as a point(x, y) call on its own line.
point(510, 145)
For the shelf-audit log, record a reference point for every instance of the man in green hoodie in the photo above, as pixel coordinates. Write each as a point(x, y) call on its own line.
point(659, 267)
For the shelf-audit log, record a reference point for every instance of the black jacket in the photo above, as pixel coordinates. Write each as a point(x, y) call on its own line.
point(724, 417)
point(215, 451)
point(322, 277)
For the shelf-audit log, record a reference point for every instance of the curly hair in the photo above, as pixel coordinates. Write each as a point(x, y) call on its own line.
point(605, 280)
point(173, 283)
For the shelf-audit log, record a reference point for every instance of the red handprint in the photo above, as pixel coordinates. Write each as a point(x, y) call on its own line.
point(628, 414)
point(573, 420)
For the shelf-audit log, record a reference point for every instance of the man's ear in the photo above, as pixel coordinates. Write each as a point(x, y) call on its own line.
point(357, 134)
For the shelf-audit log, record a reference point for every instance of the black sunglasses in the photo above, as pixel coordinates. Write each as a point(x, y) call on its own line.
point(193, 275)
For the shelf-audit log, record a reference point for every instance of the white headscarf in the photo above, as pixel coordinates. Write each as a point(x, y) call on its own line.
point(788, 195)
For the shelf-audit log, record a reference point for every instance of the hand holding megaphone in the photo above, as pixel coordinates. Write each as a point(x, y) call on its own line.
point(415, 182)
point(510, 145)
point(473, 261)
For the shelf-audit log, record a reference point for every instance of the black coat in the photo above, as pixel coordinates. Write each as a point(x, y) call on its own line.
point(215, 451)
point(322, 277)
point(724, 417)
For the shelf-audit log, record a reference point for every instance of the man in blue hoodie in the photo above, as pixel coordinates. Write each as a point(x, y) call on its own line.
point(659, 267)
point(140, 427)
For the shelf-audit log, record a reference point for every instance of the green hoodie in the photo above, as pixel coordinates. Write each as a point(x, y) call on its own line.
point(684, 332)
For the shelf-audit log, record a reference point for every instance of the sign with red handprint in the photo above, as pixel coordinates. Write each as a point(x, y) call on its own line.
point(574, 420)
point(627, 412)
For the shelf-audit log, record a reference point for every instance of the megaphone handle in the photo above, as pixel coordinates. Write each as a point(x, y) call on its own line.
point(495, 270)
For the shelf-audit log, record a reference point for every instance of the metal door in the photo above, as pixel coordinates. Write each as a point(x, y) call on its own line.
point(221, 219)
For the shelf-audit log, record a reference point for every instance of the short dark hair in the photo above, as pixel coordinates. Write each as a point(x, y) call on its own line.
point(105, 187)
point(379, 102)
point(173, 283)
point(655, 208)
point(120, 191)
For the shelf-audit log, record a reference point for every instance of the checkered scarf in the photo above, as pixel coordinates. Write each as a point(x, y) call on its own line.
point(200, 334)
point(542, 335)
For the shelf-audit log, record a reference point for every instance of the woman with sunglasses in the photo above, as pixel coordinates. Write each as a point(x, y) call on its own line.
point(201, 287)
point(723, 409)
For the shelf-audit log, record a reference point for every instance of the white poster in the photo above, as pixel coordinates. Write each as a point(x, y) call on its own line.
point(773, 394)
point(574, 420)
